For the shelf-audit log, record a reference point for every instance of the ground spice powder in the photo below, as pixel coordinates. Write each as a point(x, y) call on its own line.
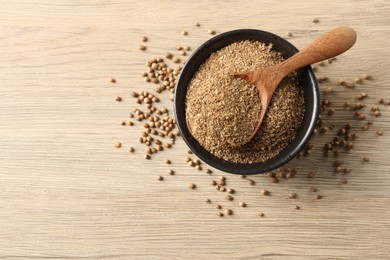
point(220, 108)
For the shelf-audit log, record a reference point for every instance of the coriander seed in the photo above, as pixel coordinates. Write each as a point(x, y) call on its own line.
point(118, 145)
point(293, 196)
point(242, 204)
point(192, 186)
point(168, 55)
point(167, 161)
point(176, 60)
point(112, 80)
point(218, 206)
point(229, 197)
point(131, 149)
point(228, 211)
point(212, 32)
point(208, 171)
point(265, 192)
point(118, 99)
point(160, 178)
point(142, 47)
point(231, 191)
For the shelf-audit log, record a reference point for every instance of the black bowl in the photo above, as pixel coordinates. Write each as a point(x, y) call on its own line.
point(306, 79)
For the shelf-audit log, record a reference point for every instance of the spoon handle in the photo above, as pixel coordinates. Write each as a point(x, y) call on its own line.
point(325, 47)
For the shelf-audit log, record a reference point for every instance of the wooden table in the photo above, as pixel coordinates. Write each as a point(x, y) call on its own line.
point(66, 192)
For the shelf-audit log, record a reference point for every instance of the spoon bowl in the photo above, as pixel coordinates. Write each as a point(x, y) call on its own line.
point(307, 82)
point(266, 80)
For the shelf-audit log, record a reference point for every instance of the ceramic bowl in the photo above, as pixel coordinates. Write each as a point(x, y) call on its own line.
point(307, 81)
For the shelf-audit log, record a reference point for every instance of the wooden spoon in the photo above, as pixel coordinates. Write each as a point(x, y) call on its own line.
point(266, 80)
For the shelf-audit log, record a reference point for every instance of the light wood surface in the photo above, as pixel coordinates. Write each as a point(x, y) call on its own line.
point(67, 193)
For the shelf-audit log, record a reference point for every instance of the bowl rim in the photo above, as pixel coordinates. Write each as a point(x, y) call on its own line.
point(236, 168)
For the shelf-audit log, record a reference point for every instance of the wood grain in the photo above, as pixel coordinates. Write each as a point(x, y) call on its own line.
point(66, 192)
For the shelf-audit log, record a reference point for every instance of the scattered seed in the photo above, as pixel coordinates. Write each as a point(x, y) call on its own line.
point(171, 172)
point(297, 207)
point(118, 145)
point(176, 60)
point(220, 214)
point(197, 24)
point(210, 31)
point(142, 47)
point(366, 77)
point(213, 182)
point(318, 197)
point(191, 163)
point(242, 204)
point(208, 200)
point(167, 161)
point(184, 32)
point(112, 80)
point(365, 159)
point(144, 39)
point(119, 99)
point(160, 178)
point(315, 20)
point(198, 167)
point(265, 192)
point(289, 34)
point(208, 171)
point(131, 149)
point(293, 196)
point(192, 186)
point(228, 211)
point(147, 156)
point(251, 182)
point(229, 197)
point(168, 55)
point(261, 214)
point(379, 132)
point(218, 206)
point(231, 191)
